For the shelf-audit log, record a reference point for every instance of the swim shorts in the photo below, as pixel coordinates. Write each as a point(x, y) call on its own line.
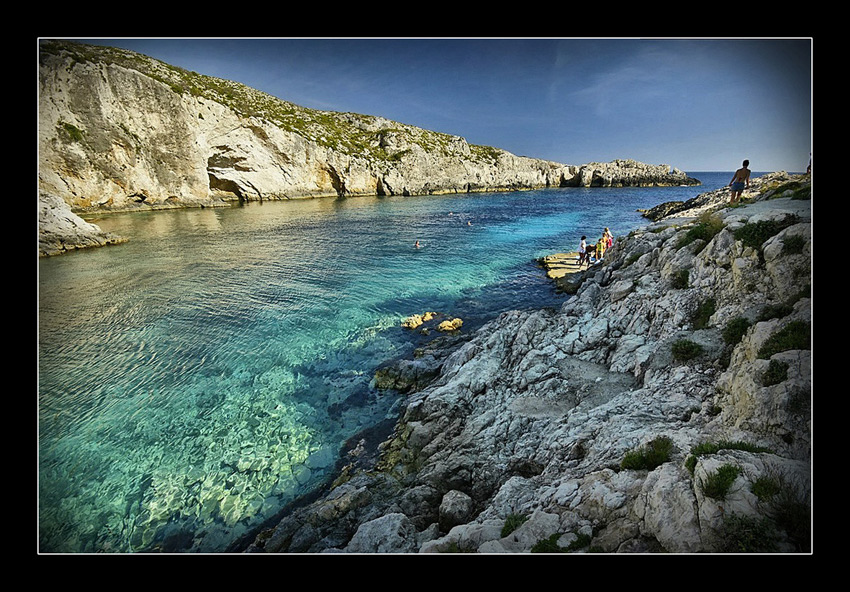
point(739, 186)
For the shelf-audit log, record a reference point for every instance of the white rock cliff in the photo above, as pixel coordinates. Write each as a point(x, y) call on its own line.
point(120, 131)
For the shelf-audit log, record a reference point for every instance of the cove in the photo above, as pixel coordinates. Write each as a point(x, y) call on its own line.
point(197, 379)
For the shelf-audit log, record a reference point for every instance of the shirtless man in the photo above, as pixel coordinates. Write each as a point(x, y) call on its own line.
point(741, 178)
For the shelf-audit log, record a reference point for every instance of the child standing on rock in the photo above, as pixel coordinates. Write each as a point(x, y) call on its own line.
point(609, 238)
point(582, 251)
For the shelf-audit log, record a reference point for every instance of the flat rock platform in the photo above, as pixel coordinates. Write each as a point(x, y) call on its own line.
point(564, 269)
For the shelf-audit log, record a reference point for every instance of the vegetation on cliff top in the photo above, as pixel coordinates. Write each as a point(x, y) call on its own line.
point(348, 133)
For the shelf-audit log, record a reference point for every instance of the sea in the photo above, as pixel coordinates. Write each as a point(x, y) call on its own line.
point(200, 380)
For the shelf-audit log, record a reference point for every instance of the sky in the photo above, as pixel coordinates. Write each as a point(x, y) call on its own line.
point(695, 104)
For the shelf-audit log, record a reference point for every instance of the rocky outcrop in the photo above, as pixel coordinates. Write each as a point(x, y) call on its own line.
point(663, 408)
point(120, 131)
point(778, 184)
point(60, 230)
point(627, 173)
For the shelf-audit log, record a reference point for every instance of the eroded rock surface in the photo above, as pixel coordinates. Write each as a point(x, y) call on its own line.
point(663, 408)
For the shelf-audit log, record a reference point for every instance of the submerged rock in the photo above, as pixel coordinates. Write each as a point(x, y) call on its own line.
point(417, 320)
point(450, 325)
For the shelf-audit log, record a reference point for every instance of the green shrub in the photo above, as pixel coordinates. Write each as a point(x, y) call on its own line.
point(455, 548)
point(765, 488)
point(791, 512)
point(512, 522)
point(703, 313)
point(776, 373)
point(787, 508)
point(799, 189)
point(725, 358)
point(679, 281)
point(650, 455)
point(756, 233)
point(735, 330)
point(684, 350)
point(775, 311)
point(805, 292)
point(548, 545)
point(778, 311)
point(706, 228)
point(71, 132)
point(794, 335)
point(743, 534)
point(716, 485)
point(581, 541)
point(793, 244)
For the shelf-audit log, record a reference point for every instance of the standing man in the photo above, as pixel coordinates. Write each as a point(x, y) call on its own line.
point(739, 181)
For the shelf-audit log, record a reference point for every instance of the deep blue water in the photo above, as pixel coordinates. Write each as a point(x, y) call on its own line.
point(198, 378)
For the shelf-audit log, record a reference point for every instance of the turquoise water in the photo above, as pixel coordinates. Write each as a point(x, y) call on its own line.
point(197, 379)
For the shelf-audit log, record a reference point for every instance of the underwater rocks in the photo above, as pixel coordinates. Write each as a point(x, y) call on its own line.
point(415, 321)
point(404, 374)
point(425, 322)
point(450, 325)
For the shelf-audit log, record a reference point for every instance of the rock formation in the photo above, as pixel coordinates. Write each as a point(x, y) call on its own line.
point(61, 230)
point(121, 131)
point(663, 408)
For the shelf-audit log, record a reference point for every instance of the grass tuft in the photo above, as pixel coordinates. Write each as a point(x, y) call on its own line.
point(716, 485)
point(512, 522)
point(649, 456)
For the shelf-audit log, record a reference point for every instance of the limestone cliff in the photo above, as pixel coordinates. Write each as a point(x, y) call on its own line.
point(121, 131)
point(665, 408)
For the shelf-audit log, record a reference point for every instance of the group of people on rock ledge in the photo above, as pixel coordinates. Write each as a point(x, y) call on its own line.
point(596, 252)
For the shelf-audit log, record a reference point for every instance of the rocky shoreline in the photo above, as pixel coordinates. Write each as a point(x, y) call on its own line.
point(664, 408)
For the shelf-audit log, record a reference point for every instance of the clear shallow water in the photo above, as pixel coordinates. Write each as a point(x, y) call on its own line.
point(198, 378)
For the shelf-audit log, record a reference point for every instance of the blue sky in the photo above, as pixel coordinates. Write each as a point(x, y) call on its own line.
point(696, 104)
